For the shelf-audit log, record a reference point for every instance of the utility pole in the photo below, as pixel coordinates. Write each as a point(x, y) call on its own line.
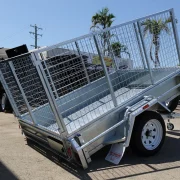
point(35, 35)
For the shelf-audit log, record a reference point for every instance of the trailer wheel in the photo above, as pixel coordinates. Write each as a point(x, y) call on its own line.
point(5, 104)
point(172, 105)
point(148, 133)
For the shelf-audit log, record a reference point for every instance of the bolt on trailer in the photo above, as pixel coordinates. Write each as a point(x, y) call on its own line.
point(80, 95)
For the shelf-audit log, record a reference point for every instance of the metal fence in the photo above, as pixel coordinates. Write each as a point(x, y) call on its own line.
point(66, 86)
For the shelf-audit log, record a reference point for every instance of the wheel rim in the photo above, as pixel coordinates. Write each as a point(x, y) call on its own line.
point(152, 134)
point(3, 102)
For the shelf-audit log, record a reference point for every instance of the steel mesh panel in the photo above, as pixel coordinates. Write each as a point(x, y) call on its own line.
point(32, 87)
point(65, 72)
point(69, 67)
point(159, 40)
point(30, 81)
point(35, 93)
point(13, 87)
point(122, 45)
point(76, 75)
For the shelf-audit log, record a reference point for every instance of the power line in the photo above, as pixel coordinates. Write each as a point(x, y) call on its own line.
point(36, 28)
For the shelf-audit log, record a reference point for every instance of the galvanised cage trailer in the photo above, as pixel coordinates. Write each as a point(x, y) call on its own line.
point(80, 95)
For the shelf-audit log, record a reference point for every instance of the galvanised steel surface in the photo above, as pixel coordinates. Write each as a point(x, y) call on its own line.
point(66, 87)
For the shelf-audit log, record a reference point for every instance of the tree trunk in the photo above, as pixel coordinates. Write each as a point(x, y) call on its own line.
point(157, 45)
point(151, 52)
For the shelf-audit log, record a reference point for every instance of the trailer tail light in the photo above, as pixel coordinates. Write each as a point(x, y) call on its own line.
point(146, 106)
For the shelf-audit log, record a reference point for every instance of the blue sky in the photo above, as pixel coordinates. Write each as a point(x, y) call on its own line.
point(65, 19)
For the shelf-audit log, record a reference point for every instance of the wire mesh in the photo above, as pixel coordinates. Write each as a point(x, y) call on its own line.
point(159, 40)
point(121, 45)
point(13, 87)
point(133, 54)
point(31, 86)
point(70, 69)
point(73, 69)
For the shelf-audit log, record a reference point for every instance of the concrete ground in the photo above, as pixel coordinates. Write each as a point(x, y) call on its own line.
point(28, 161)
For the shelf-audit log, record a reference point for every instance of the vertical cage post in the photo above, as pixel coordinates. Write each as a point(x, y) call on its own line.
point(22, 92)
point(50, 96)
point(10, 97)
point(49, 75)
point(145, 53)
point(139, 45)
point(105, 72)
point(84, 66)
point(176, 37)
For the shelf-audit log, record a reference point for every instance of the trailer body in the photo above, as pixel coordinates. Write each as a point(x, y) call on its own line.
point(76, 97)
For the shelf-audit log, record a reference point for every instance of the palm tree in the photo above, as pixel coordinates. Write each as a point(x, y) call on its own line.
point(155, 28)
point(102, 20)
point(119, 48)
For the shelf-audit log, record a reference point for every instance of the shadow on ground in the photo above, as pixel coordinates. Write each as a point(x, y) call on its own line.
point(131, 165)
point(5, 173)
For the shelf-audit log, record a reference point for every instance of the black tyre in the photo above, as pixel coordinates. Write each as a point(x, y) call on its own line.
point(5, 104)
point(172, 105)
point(148, 133)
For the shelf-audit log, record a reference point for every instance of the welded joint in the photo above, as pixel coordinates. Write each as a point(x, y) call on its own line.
point(81, 140)
point(80, 153)
point(164, 106)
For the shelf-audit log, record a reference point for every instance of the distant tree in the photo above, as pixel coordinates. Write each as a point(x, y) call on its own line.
point(119, 48)
point(155, 28)
point(102, 20)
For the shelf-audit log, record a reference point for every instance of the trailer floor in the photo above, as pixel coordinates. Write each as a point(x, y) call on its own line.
point(19, 160)
point(92, 111)
point(96, 109)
